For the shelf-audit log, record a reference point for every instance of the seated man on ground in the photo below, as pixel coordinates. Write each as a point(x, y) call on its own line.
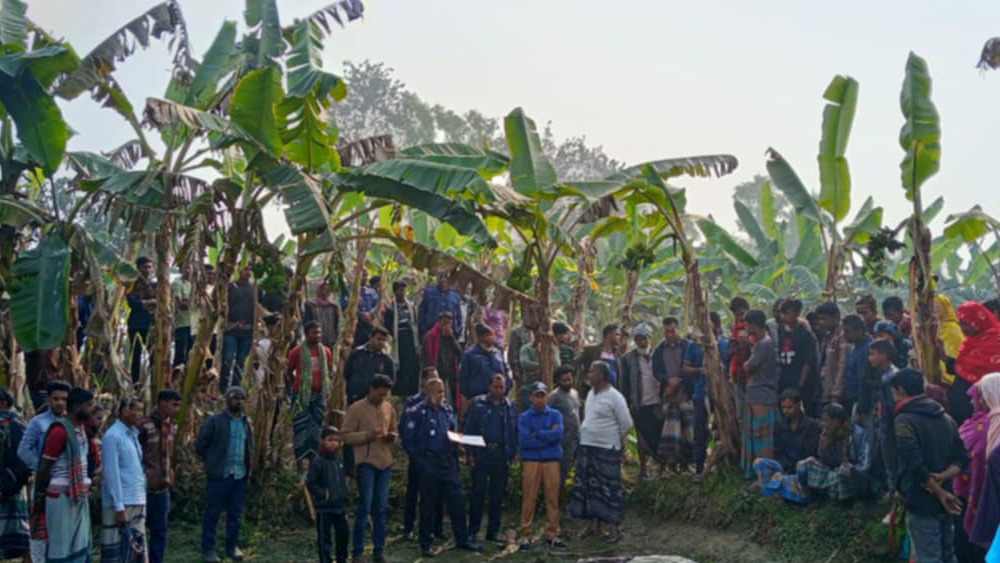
point(837, 471)
point(797, 435)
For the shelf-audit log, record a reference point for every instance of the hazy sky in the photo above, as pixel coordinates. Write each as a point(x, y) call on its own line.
point(647, 79)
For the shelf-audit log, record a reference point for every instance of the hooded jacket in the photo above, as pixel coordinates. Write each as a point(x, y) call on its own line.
point(927, 441)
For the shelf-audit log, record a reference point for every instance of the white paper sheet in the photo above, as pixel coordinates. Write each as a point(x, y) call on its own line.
point(466, 439)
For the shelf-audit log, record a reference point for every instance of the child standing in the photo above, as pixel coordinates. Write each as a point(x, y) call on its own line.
point(326, 484)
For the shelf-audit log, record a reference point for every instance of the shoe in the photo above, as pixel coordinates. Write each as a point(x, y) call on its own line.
point(210, 556)
point(556, 543)
point(409, 536)
point(470, 546)
point(525, 545)
point(235, 555)
point(426, 552)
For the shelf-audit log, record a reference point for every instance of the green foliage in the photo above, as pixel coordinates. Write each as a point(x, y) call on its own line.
point(834, 175)
point(921, 132)
point(531, 172)
point(40, 125)
point(39, 295)
point(253, 107)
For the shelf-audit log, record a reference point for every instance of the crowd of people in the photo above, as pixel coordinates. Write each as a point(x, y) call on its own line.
point(829, 406)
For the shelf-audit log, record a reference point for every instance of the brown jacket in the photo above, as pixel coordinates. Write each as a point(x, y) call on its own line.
point(836, 349)
point(156, 437)
point(362, 421)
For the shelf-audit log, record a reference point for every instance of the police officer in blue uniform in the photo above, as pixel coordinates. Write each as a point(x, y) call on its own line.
point(493, 417)
point(412, 470)
point(425, 439)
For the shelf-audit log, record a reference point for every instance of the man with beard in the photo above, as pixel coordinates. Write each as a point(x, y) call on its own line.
point(834, 355)
point(399, 319)
point(30, 451)
point(566, 400)
point(142, 304)
point(123, 486)
point(156, 436)
point(642, 391)
point(225, 446)
point(62, 482)
point(308, 374)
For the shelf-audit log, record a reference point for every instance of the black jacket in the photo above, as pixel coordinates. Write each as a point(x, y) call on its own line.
point(326, 483)
point(792, 446)
point(927, 441)
point(213, 443)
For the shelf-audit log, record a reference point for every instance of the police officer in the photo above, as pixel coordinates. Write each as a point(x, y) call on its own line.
point(412, 470)
point(425, 439)
point(493, 417)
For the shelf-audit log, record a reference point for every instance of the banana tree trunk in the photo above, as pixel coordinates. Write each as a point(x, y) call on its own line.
point(8, 346)
point(727, 444)
point(212, 308)
point(543, 333)
point(338, 390)
point(163, 329)
point(581, 291)
point(269, 397)
point(625, 313)
point(922, 297)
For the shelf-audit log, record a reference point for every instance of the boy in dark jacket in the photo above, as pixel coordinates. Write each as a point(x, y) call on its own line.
point(540, 430)
point(931, 454)
point(328, 488)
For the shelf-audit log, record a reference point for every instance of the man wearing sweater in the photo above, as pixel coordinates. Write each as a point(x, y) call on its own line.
point(540, 431)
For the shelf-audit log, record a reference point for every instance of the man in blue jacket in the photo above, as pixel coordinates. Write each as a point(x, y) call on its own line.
point(478, 365)
point(540, 430)
point(436, 299)
point(493, 417)
point(425, 439)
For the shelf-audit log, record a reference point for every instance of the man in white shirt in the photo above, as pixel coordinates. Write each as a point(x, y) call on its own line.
point(597, 489)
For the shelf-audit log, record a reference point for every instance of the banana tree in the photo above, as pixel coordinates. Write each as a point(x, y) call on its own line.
point(920, 140)
point(971, 227)
point(830, 206)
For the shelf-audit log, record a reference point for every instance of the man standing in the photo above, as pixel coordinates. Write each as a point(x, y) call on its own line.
point(797, 355)
point(524, 334)
point(370, 427)
point(876, 407)
point(835, 352)
point(931, 454)
point(607, 350)
point(643, 392)
point(413, 468)
point(30, 451)
point(364, 362)
point(238, 336)
point(678, 369)
point(540, 431)
point(478, 365)
point(868, 311)
point(893, 310)
point(531, 371)
point(225, 446)
point(597, 487)
point(156, 436)
point(856, 365)
point(62, 483)
point(564, 337)
point(425, 439)
point(325, 311)
point(180, 291)
point(123, 486)
point(493, 417)
point(368, 302)
point(399, 318)
point(14, 475)
point(442, 352)
point(566, 400)
point(437, 299)
point(308, 375)
point(141, 299)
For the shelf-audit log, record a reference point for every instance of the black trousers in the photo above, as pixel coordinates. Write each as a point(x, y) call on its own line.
point(137, 337)
point(182, 345)
point(489, 474)
point(701, 433)
point(410, 501)
point(338, 522)
point(439, 483)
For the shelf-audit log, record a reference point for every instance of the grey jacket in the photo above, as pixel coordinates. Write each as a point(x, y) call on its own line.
point(213, 443)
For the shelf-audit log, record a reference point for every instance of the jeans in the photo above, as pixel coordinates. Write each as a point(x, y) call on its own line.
point(337, 521)
point(700, 433)
point(933, 537)
point(223, 495)
point(373, 500)
point(439, 482)
point(138, 338)
point(182, 345)
point(235, 349)
point(157, 507)
point(491, 466)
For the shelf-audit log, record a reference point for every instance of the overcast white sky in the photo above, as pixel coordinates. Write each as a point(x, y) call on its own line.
point(647, 79)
